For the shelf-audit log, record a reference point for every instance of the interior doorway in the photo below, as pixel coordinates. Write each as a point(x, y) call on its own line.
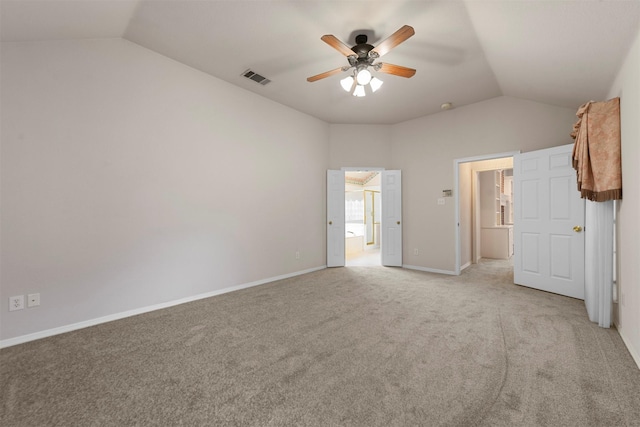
point(484, 209)
point(390, 201)
point(363, 210)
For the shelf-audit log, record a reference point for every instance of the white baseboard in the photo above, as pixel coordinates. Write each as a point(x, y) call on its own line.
point(429, 270)
point(632, 351)
point(116, 316)
point(465, 266)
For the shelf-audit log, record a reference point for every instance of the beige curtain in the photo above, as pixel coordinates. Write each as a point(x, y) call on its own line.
point(596, 153)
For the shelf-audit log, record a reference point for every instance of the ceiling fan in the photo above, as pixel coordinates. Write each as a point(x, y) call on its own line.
point(362, 56)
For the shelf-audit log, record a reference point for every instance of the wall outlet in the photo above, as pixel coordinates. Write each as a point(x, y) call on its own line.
point(297, 254)
point(33, 300)
point(416, 252)
point(16, 303)
point(441, 201)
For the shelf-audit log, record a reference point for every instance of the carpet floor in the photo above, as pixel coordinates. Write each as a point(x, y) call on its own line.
point(358, 346)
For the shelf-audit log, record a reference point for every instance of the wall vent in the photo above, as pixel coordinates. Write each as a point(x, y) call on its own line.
point(256, 77)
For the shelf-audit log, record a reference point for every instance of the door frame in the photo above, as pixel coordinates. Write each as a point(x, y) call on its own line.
point(456, 196)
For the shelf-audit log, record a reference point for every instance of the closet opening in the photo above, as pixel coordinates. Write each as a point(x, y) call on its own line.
point(484, 209)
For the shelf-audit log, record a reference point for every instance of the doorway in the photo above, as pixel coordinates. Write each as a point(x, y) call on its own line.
point(483, 209)
point(390, 202)
point(363, 209)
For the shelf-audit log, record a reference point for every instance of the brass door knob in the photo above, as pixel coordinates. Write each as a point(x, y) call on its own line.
point(330, 222)
point(577, 229)
point(398, 222)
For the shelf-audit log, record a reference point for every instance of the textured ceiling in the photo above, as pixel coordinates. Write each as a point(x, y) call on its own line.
point(557, 52)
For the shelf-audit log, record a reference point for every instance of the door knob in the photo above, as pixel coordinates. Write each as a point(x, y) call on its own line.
point(330, 222)
point(577, 229)
point(398, 222)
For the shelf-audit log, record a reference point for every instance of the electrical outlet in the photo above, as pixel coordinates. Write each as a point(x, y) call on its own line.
point(297, 254)
point(416, 252)
point(16, 303)
point(33, 300)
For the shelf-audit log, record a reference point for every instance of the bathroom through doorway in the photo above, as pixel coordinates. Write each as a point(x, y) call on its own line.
point(363, 209)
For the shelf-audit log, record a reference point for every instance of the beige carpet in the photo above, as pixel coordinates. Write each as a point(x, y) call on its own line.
point(361, 346)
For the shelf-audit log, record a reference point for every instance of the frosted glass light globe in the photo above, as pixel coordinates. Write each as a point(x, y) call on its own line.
point(363, 77)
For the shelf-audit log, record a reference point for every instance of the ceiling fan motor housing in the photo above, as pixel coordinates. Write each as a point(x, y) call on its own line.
point(362, 48)
point(363, 59)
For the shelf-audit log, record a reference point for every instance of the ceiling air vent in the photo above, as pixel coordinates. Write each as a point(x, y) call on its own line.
point(256, 77)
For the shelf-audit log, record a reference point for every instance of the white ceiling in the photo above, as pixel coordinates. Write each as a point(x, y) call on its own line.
point(557, 52)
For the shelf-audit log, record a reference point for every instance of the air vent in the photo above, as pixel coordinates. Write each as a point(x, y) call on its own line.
point(256, 77)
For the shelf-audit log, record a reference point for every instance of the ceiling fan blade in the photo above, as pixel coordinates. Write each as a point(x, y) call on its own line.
point(324, 75)
point(394, 40)
point(397, 70)
point(337, 45)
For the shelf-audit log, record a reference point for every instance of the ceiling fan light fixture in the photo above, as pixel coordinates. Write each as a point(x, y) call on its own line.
point(361, 57)
point(359, 91)
point(375, 84)
point(347, 83)
point(363, 77)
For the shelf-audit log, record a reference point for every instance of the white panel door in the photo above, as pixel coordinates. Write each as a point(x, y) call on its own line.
point(549, 217)
point(391, 221)
point(335, 218)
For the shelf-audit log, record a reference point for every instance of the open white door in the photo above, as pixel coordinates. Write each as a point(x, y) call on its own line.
point(335, 218)
point(548, 222)
point(391, 223)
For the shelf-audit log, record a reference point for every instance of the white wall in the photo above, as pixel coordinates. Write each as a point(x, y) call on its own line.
point(627, 87)
point(130, 180)
point(359, 146)
point(425, 150)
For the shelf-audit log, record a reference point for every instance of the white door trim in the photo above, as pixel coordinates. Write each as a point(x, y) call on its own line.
point(367, 169)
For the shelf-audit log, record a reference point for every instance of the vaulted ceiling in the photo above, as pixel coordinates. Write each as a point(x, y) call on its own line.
point(556, 52)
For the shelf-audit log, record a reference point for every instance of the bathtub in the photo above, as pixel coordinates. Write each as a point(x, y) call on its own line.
point(354, 237)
